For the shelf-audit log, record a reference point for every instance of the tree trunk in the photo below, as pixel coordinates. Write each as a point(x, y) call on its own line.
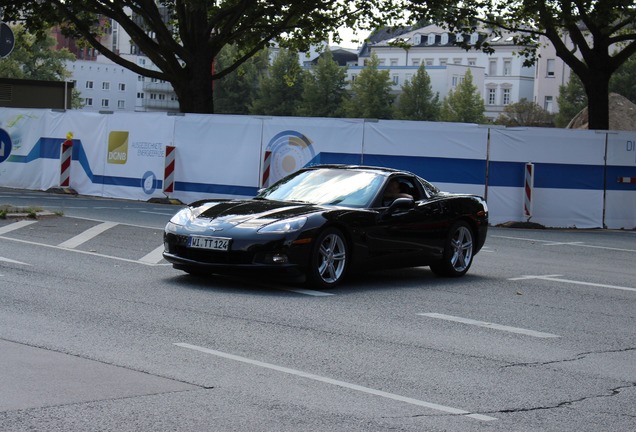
point(597, 90)
point(195, 87)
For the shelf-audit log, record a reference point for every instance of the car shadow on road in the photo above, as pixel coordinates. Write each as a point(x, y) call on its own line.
point(382, 280)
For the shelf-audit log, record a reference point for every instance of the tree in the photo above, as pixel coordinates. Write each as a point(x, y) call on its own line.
point(235, 92)
point(371, 93)
point(571, 100)
point(464, 103)
point(324, 88)
point(417, 101)
point(32, 58)
point(183, 37)
point(524, 113)
point(280, 89)
point(594, 38)
point(623, 81)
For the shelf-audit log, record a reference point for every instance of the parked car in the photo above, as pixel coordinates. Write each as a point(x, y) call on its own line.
point(327, 221)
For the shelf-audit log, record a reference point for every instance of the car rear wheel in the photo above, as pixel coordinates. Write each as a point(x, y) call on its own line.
point(458, 252)
point(329, 259)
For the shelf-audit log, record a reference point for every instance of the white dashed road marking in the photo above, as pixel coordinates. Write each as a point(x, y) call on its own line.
point(87, 235)
point(490, 325)
point(338, 383)
point(557, 278)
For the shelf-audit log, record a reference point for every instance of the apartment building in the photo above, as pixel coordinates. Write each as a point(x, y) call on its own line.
point(501, 77)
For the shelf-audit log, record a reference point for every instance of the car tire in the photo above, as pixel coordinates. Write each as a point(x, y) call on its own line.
point(329, 259)
point(458, 252)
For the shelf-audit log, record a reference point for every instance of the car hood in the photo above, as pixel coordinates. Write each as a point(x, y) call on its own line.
point(248, 213)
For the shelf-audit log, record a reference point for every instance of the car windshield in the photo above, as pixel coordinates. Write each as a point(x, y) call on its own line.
point(324, 186)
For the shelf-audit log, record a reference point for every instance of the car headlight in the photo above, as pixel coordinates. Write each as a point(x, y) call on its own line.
point(284, 226)
point(182, 217)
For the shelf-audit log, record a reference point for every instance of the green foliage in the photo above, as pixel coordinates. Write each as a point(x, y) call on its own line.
point(183, 37)
point(324, 89)
point(464, 103)
point(417, 101)
point(370, 93)
point(280, 90)
point(33, 58)
point(623, 81)
point(524, 113)
point(235, 92)
point(571, 100)
point(603, 34)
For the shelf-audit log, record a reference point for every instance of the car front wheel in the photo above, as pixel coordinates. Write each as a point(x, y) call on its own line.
point(329, 259)
point(458, 252)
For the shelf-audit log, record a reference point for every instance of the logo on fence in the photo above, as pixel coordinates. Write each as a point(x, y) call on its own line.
point(286, 152)
point(117, 147)
point(5, 145)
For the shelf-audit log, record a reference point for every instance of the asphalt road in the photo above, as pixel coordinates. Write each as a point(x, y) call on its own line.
point(98, 333)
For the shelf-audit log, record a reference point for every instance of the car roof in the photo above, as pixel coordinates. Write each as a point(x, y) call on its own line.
point(379, 170)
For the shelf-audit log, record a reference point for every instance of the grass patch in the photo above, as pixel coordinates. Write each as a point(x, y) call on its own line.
point(28, 212)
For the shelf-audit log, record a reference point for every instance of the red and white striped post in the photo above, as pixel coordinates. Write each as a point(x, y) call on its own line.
point(168, 176)
point(630, 180)
point(528, 190)
point(65, 161)
point(267, 160)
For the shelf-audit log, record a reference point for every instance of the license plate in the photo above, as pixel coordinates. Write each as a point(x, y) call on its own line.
point(211, 243)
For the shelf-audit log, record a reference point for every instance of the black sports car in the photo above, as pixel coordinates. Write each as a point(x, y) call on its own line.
point(327, 220)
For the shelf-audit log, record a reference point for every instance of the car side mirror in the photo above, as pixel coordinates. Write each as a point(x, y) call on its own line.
point(400, 204)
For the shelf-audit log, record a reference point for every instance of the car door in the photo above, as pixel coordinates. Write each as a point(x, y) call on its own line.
point(408, 235)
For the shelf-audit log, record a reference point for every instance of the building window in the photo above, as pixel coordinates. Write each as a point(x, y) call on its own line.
point(122, 87)
point(505, 96)
point(550, 67)
point(507, 65)
point(88, 102)
point(153, 96)
point(472, 61)
point(454, 81)
point(457, 61)
point(394, 62)
point(140, 78)
point(492, 67)
point(140, 95)
point(121, 104)
point(443, 62)
point(444, 39)
point(408, 77)
point(431, 39)
point(105, 103)
point(396, 79)
point(89, 84)
point(105, 85)
point(416, 62)
point(429, 62)
point(547, 104)
point(492, 96)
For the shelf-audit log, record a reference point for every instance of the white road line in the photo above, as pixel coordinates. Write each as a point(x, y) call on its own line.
point(338, 383)
point(13, 261)
point(87, 235)
point(490, 325)
point(158, 213)
point(79, 251)
point(556, 278)
point(15, 225)
point(308, 292)
point(153, 257)
point(552, 243)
